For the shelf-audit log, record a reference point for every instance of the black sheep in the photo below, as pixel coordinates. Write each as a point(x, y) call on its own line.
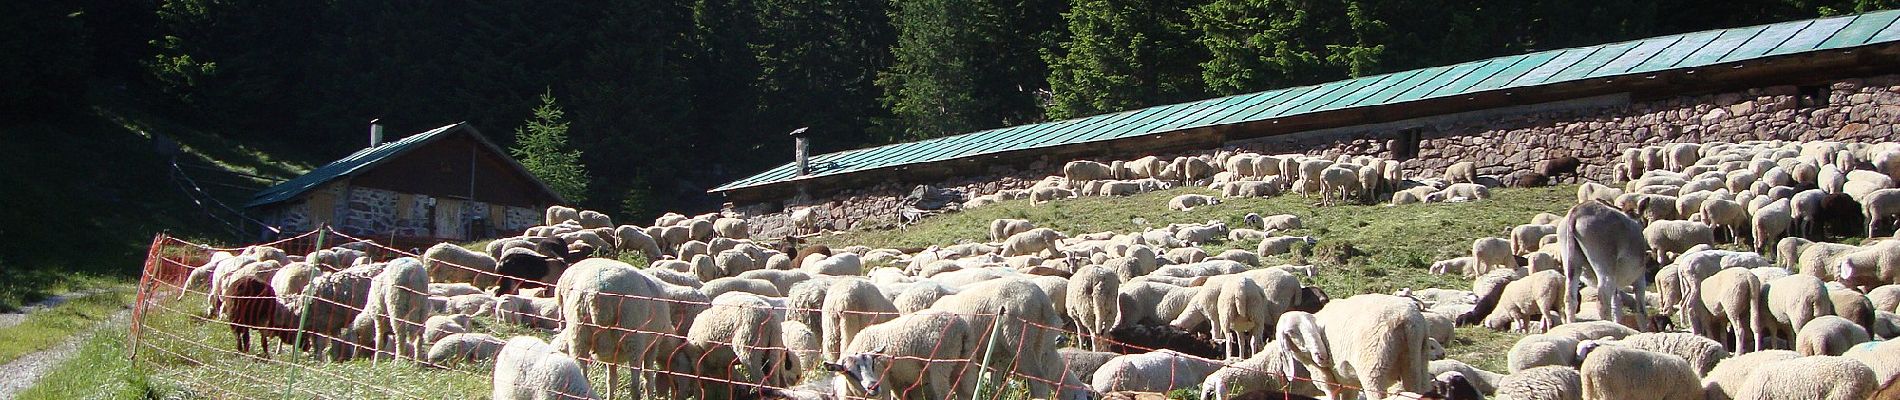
point(524, 270)
point(1559, 167)
point(1139, 339)
point(250, 303)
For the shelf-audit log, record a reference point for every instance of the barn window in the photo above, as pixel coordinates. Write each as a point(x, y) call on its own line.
point(1405, 147)
point(1812, 96)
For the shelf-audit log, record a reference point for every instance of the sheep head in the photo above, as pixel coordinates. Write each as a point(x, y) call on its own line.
point(862, 370)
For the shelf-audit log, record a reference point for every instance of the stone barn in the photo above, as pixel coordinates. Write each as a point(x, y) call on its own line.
point(1835, 78)
point(444, 184)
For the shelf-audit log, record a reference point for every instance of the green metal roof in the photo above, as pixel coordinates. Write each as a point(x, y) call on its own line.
point(367, 158)
point(1672, 52)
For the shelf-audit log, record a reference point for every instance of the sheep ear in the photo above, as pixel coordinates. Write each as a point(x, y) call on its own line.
point(880, 348)
point(834, 367)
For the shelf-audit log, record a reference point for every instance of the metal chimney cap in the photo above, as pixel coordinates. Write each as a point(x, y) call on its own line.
point(800, 131)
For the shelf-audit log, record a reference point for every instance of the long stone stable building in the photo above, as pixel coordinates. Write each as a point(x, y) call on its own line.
point(1824, 79)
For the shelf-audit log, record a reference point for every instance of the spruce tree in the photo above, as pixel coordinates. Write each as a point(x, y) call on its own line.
point(541, 146)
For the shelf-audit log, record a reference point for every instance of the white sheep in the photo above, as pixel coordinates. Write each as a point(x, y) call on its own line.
point(1273, 368)
point(917, 356)
point(1459, 192)
point(398, 304)
point(850, 305)
point(1770, 222)
point(1492, 253)
point(1700, 352)
point(1828, 335)
point(1482, 380)
point(738, 329)
point(615, 315)
point(530, 369)
point(1380, 338)
point(1003, 228)
point(1676, 237)
point(840, 264)
point(1524, 238)
point(1538, 297)
point(1813, 377)
point(1187, 202)
point(1731, 297)
point(1554, 382)
point(1538, 350)
point(1283, 244)
point(464, 347)
point(1093, 304)
point(1158, 371)
point(1880, 356)
point(1725, 381)
point(439, 326)
point(732, 228)
point(1462, 172)
point(1793, 301)
point(1612, 371)
point(1012, 305)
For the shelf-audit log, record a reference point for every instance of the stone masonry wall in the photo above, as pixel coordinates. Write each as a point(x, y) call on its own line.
point(1857, 110)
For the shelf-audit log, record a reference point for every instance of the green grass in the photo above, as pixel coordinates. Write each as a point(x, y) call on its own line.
point(50, 327)
point(100, 369)
point(19, 288)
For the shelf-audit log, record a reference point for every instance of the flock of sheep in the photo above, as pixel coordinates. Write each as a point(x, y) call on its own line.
point(719, 315)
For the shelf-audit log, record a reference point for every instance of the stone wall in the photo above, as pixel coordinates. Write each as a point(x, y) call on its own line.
point(368, 212)
point(1499, 141)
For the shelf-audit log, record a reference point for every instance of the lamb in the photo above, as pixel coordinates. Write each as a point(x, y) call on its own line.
point(1725, 380)
point(1542, 350)
point(1491, 253)
point(1339, 180)
point(1732, 295)
point(891, 355)
point(1283, 244)
point(1770, 222)
point(1466, 266)
point(471, 304)
point(1093, 303)
point(439, 326)
point(851, 305)
point(1524, 238)
point(463, 347)
point(1555, 382)
point(398, 302)
point(1042, 195)
point(1380, 337)
point(613, 314)
point(1817, 377)
point(738, 329)
point(1187, 202)
point(1667, 237)
point(1462, 172)
point(1239, 313)
point(1537, 297)
point(1828, 335)
point(1612, 371)
point(530, 369)
point(1272, 368)
point(1606, 241)
point(1001, 229)
point(1158, 371)
point(732, 228)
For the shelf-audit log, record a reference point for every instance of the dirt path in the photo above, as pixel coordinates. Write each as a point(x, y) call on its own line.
point(25, 371)
point(9, 319)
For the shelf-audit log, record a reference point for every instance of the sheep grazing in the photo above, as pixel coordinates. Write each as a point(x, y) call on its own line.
point(900, 356)
point(1011, 305)
point(1479, 380)
point(1612, 371)
point(740, 329)
point(398, 305)
point(1462, 172)
point(1492, 253)
point(439, 326)
point(530, 369)
point(1140, 338)
point(1381, 337)
point(1001, 229)
point(1793, 301)
point(1272, 368)
point(1731, 299)
point(1725, 380)
point(1538, 297)
point(1702, 353)
point(447, 262)
point(1158, 371)
point(613, 314)
point(1602, 247)
point(251, 304)
point(522, 268)
point(1813, 377)
point(1093, 304)
point(1541, 350)
point(1676, 237)
point(1828, 335)
point(851, 305)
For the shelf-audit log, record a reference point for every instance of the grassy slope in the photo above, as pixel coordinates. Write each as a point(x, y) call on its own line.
point(89, 188)
point(1363, 249)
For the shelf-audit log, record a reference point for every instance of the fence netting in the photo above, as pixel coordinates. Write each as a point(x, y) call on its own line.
point(273, 324)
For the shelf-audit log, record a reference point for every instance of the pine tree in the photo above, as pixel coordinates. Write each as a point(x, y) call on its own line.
point(962, 66)
point(541, 146)
point(1123, 55)
point(1259, 45)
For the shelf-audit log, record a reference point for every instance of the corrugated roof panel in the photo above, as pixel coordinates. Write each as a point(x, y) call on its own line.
point(1267, 99)
point(1531, 62)
point(1353, 86)
point(1399, 87)
point(1451, 75)
point(1490, 68)
point(1696, 49)
point(1764, 42)
point(1281, 109)
point(1861, 30)
point(1816, 33)
point(1643, 52)
point(1720, 47)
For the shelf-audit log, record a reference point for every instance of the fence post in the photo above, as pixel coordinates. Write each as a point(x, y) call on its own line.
point(296, 344)
point(996, 329)
point(152, 259)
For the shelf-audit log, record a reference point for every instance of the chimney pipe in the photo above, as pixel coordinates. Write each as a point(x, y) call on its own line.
point(375, 132)
point(801, 151)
